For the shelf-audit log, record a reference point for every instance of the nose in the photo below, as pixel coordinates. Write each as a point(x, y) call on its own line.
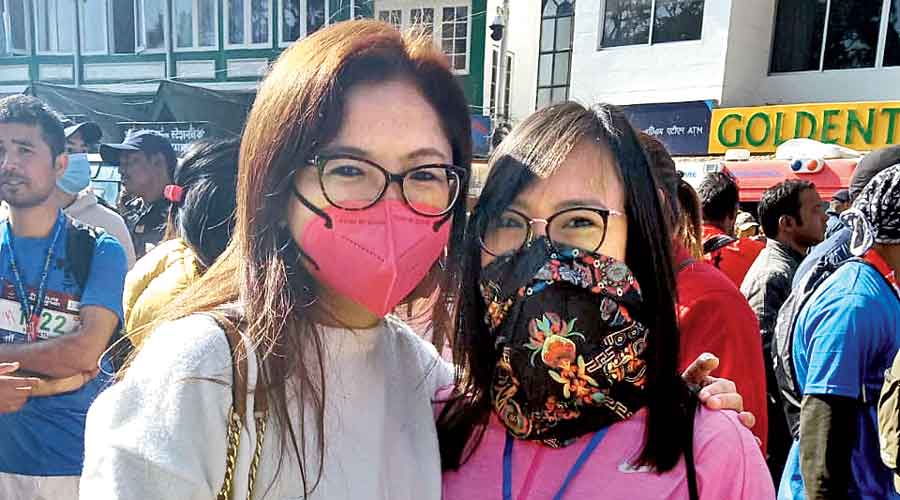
point(394, 191)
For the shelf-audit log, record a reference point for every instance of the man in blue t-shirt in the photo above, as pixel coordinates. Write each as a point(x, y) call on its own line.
point(58, 311)
point(845, 338)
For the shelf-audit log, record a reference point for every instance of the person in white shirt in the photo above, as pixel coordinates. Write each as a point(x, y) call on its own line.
point(351, 184)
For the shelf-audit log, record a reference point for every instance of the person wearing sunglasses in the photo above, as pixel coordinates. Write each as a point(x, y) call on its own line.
point(568, 386)
point(353, 165)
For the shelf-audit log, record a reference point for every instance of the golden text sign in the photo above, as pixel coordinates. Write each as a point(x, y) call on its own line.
point(859, 125)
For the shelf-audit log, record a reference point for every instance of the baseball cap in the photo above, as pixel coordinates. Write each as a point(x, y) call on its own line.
point(90, 131)
point(146, 141)
point(745, 221)
point(842, 196)
point(871, 165)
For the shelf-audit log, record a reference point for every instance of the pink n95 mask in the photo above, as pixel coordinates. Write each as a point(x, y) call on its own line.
point(377, 256)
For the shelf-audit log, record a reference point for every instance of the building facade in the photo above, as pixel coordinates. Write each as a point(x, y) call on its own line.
point(817, 54)
point(128, 46)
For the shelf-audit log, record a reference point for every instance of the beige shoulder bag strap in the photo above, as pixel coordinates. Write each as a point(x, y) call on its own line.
point(239, 409)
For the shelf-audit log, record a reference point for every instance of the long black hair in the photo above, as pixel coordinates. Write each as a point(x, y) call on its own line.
point(204, 217)
point(534, 150)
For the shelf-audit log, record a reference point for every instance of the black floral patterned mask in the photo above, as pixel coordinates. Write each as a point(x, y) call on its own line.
point(572, 356)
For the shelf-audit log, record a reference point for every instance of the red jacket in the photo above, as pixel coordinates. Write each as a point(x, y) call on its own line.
point(714, 317)
point(735, 258)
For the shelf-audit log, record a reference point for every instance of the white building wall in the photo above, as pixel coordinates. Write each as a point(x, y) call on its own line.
point(747, 78)
point(666, 72)
point(523, 31)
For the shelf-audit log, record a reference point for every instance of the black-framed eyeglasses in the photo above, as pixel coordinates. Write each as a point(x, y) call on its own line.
point(579, 227)
point(353, 183)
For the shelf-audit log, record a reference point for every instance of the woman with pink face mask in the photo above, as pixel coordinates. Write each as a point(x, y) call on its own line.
point(353, 168)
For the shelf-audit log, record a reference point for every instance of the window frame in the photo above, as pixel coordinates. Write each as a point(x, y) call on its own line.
point(390, 14)
point(195, 27)
point(7, 21)
point(140, 36)
point(553, 53)
point(650, 42)
point(439, 34)
point(880, 48)
point(304, 20)
point(248, 23)
point(36, 27)
point(106, 32)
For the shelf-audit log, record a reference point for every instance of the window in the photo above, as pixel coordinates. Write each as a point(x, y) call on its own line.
point(293, 18)
point(642, 22)
point(195, 24)
point(817, 35)
point(124, 28)
point(507, 86)
point(555, 53)
point(150, 24)
point(455, 37)
point(422, 21)
point(54, 29)
point(495, 58)
point(13, 38)
point(394, 17)
point(92, 16)
point(249, 23)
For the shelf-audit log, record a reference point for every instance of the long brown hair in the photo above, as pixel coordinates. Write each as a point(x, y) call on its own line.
point(299, 108)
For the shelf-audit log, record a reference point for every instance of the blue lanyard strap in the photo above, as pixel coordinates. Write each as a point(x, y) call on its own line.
point(32, 312)
point(573, 472)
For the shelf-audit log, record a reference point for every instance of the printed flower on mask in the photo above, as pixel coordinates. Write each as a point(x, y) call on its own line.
point(549, 337)
point(576, 382)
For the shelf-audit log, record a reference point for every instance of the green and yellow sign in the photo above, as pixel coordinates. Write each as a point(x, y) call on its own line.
point(862, 126)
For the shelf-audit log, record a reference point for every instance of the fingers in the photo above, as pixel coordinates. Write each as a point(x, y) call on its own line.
point(700, 369)
point(6, 368)
point(716, 387)
point(748, 419)
point(13, 400)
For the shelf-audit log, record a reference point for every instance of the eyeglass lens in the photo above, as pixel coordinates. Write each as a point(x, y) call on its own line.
point(579, 228)
point(354, 184)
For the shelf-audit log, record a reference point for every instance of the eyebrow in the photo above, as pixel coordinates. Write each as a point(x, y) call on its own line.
point(23, 142)
point(354, 151)
point(580, 202)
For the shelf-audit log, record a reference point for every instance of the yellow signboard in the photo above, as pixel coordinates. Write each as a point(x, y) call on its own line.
point(862, 126)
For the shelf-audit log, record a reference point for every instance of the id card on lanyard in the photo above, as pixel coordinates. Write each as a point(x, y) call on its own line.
point(31, 309)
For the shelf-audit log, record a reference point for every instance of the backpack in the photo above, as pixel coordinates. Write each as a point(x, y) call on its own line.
point(716, 243)
point(81, 241)
point(783, 338)
point(889, 420)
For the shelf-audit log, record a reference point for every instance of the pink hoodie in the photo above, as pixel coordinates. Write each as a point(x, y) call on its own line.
point(728, 461)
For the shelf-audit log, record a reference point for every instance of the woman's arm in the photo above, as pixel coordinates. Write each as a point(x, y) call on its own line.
point(161, 431)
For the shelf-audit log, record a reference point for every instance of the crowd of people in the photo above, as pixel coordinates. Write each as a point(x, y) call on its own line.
point(593, 324)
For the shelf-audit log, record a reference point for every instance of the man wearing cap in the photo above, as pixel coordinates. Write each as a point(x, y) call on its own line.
point(745, 226)
point(146, 162)
point(82, 137)
point(845, 338)
point(81, 203)
point(839, 203)
point(836, 248)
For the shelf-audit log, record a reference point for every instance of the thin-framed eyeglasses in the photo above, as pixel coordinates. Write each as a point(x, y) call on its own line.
point(579, 227)
point(353, 183)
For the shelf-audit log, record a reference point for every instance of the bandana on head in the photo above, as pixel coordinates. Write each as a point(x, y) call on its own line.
point(875, 216)
point(572, 356)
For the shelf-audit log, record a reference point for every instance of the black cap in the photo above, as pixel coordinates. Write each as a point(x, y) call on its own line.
point(146, 141)
point(870, 166)
point(90, 132)
point(842, 196)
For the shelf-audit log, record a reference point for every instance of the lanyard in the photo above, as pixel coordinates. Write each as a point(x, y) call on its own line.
point(570, 476)
point(878, 262)
point(32, 312)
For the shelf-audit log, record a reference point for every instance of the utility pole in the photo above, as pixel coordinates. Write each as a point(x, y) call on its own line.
point(76, 63)
point(497, 34)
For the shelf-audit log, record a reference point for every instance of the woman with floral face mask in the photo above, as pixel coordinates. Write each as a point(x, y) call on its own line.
point(352, 169)
point(568, 387)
